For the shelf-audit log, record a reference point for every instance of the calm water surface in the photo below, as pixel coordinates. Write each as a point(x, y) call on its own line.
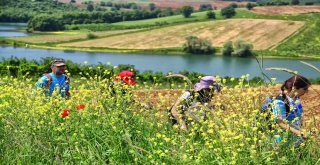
point(210, 65)
point(13, 30)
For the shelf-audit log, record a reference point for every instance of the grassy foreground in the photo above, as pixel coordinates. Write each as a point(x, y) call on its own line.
point(96, 127)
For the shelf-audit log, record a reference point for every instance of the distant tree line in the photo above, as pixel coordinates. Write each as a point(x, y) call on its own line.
point(46, 22)
point(286, 2)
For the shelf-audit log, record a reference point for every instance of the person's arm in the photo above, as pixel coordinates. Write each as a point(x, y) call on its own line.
point(177, 115)
point(67, 87)
point(42, 82)
point(279, 110)
point(291, 129)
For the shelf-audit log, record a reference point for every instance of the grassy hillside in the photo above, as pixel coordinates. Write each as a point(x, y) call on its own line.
point(291, 40)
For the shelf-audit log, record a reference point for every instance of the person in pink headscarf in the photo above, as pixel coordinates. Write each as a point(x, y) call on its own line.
point(194, 103)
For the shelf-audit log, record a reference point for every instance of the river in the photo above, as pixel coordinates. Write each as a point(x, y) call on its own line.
point(210, 65)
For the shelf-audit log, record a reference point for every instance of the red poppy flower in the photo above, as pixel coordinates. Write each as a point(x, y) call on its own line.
point(65, 113)
point(80, 106)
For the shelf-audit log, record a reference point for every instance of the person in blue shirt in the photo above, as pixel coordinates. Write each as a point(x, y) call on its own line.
point(288, 110)
point(56, 79)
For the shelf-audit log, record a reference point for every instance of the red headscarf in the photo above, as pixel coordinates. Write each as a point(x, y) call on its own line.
point(127, 77)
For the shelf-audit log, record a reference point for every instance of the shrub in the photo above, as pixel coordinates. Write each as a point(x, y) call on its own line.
point(309, 3)
point(227, 48)
point(186, 11)
point(295, 2)
point(197, 45)
point(91, 36)
point(228, 12)
point(234, 5)
point(250, 6)
point(211, 15)
point(204, 7)
point(242, 49)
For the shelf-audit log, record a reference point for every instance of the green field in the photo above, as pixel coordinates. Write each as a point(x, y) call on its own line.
point(301, 42)
point(67, 36)
point(262, 33)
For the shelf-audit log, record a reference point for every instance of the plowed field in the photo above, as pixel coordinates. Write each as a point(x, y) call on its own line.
point(274, 10)
point(263, 34)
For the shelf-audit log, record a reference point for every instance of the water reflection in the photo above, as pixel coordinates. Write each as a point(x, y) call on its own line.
point(12, 30)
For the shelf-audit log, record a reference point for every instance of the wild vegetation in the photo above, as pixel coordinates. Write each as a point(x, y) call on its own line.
point(102, 124)
point(99, 126)
point(34, 69)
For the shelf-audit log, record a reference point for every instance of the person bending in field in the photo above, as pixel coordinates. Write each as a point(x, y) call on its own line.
point(123, 81)
point(194, 103)
point(126, 77)
point(56, 79)
point(287, 109)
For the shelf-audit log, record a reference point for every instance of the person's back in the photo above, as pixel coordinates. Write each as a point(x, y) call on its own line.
point(194, 103)
point(56, 78)
point(286, 108)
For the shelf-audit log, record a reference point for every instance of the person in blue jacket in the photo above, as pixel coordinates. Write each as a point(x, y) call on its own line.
point(56, 79)
point(287, 108)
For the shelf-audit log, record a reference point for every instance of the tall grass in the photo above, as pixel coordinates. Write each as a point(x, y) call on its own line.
point(110, 126)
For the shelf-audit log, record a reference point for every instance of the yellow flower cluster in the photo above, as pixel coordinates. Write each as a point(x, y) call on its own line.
point(118, 124)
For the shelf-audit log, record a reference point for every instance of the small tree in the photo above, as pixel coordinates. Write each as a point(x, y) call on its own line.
point(227, 48)
point(228, 12)
point(295, 2)
point(250, 6)
point(90, 7)
point(187, 11)
point(102, 3)
point(234, 5)
point(196, 45)
point(242, 49)
point(204, 7)
point(152, 6)
point(91, 36)
point(211, 15)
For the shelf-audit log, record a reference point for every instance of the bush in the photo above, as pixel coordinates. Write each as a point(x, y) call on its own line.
point(91, 36)
point(295, 2)
point(211, 15)
point(227, 49)
point(309, 3)
point(196, 45)
point(228, 12)
point(242, 49)
point(186, 11)
point(250, 6)
point(234, 5)
point(204, 7)
point(46, 22)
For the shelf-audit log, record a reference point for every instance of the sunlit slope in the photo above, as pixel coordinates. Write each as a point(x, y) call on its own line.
point(263, 34)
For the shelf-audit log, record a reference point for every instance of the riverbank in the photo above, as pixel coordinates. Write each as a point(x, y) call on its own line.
point(169, 51)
